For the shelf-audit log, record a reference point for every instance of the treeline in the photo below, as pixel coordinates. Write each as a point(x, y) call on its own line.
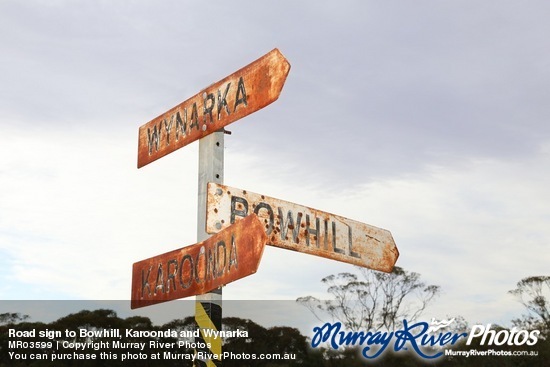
point(371, 301)
point(375, 301)
point(285, 341)
point(281, 340)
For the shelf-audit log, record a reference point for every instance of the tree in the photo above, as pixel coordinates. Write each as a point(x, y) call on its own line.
point(534, 292)
point(12, 318)
point(376, 301)
point(287, 340)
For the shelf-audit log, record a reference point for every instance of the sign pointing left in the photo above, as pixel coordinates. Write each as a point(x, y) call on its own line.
point(229, 255)
point(238, 95)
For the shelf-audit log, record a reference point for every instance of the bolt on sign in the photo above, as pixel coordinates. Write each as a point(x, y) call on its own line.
point(229, 255)
point(299, 228)
point(240, 94)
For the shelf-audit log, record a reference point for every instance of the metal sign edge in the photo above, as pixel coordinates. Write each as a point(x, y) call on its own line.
point(251, 223)
point(274, 60)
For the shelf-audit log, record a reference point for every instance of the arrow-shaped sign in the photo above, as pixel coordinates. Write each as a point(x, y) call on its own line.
point(229, 255)
point(240, 94)
point(299, 228)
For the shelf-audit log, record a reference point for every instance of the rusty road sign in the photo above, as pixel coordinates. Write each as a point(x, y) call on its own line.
point(240, 94)
point(229, 255)
point(303, 229)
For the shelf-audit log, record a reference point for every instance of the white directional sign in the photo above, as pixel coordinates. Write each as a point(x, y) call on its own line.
point(299, 228)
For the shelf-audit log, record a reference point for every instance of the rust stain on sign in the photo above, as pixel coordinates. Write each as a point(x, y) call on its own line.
point(240, 94)
point(303, 229)
point(225, 257)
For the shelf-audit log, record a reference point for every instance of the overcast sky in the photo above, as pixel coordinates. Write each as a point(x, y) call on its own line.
point(426, 118)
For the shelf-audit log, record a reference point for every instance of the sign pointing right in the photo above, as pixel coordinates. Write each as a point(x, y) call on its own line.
point(299, 228)
point(232, 98)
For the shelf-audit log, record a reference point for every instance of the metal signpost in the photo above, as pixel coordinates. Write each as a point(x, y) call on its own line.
point(299, 228)
point(242, 222)
point(203, 117)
